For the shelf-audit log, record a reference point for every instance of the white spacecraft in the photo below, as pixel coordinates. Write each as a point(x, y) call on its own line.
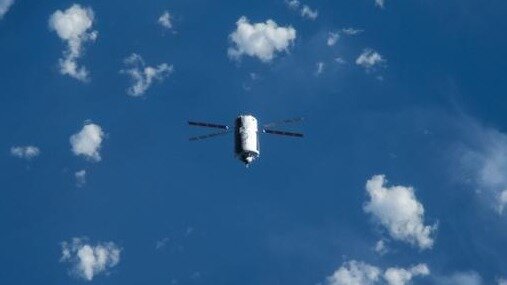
point(246, 135)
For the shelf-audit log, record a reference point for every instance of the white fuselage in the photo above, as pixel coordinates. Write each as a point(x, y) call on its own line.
point(246, 137)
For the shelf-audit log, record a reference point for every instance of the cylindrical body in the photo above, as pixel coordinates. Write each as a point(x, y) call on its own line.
point(246, 138)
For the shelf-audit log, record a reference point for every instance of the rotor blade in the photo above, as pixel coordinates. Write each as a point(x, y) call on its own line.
point(286, 121)
point(283, 133)
point(198, 138)
point(208, 125)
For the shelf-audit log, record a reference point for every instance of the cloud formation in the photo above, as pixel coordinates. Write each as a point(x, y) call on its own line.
point(319, 68)
point(351, 31)
point(89, 260)
point(401, 276)
point(332, 39)
point(381, 247)
point(26, 152)
point(293, 4)
point(307, 12)
point(261, 40)
point(166, 20)
point(355, 273)
point(360, 273)
point(460, 278)
point(73, 26)
point(80, 178)
point(380, 3)
point(369, 58)
point(142, 76)
point(87, 142)
point(484, 156)
point(397, 209)
point(5, 5)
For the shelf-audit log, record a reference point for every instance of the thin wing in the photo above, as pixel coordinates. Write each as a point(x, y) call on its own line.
point(198, 138)
point(283, 133)
point(208, 125)
point(286, 121)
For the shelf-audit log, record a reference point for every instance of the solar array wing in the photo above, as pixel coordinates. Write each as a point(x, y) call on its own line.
point(283, 133)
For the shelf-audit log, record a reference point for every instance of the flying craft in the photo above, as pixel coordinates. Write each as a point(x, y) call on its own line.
point(246, 135)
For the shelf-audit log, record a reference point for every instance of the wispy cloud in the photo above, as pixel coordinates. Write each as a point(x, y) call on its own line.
point(369, 58)
point(482, 155)
point(26, 152)
point(460, 278)
point(304, 10)
point(165, 20)
point(293, 4)
point(143, 76)
point(380, 3)
point(80, 177)
point(351, 31)
point(307, 12)
point(381, 247)
point(319, 68)
point(5, 5)
point(332, 39)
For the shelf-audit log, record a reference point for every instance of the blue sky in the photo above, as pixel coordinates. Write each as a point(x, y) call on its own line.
point(99, 184)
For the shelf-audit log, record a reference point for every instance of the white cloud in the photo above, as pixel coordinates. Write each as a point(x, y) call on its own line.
point(502, 201)
point(319, 68)
point(340, 60)
point(332, 38)
point(307, 12)
point(502, 281)
point(351, 31)
point(80, 177)
point(402, 276)
point(26, 152)
point(261, 40)
point(380, 247)
point(5, 5)
point(380, 3)
point(162, 243)
point(166, 20)
point(461, 278)
point(484, 163)
point(89, 260)
point(88, 141)
point(74, 27)
point(397, 209)
point(360, 273)
point(355, 273)
point(143, 76)
point(293, 4)
point(369, 59)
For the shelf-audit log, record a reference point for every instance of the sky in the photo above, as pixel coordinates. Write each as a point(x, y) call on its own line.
point(400, 178)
